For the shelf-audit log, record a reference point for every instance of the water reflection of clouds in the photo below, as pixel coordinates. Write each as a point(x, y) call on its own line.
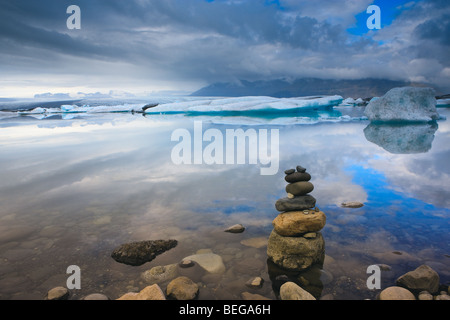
point(114, 153)
point(423, 176)
point(329, 152)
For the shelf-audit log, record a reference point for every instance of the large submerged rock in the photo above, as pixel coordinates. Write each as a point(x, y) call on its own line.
point(424, 278)
point(140, 252)
point(404, 104)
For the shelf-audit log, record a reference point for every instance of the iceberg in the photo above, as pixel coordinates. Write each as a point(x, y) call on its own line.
point(247, 104)
point(84, 109)
point(200, 105)
point(404, 104)
point(353, 102)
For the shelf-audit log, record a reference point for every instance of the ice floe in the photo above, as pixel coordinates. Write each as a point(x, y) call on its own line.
point(404, 104)
point(247, 104)
point(202, 105)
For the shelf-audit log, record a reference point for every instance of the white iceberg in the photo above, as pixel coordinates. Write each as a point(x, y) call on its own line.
point(404, 104)
point(201, 105)
point(246, 104)
point(351, 101)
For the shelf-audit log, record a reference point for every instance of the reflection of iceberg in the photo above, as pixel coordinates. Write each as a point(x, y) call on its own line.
point(307, 116)
point(402, 138)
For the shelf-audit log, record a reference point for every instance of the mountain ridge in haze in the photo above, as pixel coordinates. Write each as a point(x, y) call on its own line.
point(279, 88)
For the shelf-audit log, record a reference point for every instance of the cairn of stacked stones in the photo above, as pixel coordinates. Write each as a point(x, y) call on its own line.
point(296, 243)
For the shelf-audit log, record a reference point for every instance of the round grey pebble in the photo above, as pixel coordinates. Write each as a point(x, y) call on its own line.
point(289, 171)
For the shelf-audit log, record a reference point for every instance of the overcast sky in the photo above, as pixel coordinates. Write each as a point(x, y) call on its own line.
point(150, 45)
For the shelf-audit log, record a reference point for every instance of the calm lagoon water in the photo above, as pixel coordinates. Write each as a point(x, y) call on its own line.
point(73, 189)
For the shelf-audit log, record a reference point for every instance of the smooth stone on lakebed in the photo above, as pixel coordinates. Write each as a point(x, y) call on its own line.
point(296, 203)
point(425, 295)
point(253, 296)
point(237, 228)
point(140, 252)
point(295, 223)
point(292, 291)
point(396, 293)
point(152, 292)
point(186, 263)
point(297, 176)
point(58, 293)
point(257, 242)
point(209, 261)
point(182, 288)
point(256, 282)
point(300, 188)
point(96, 296)
point(160, 274)
point(423, 278)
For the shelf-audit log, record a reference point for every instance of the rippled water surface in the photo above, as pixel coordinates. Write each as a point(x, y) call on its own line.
point(71, 190)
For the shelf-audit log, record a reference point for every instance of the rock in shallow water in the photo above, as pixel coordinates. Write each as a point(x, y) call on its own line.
point(140, 252)
point(160, 274)
point(182, 288)
point(257, 242)
point(297, 176)
point(296, 203)
point(253, 296)
point(423, 278)
point(425, 295)
point(292, 291)
point(295, 253)
point(396, 293)
point(96, 296)
point(300, 169)
point(300, 188)
point(294, 223)
point(58, 293)
point(352, 204)
point(209, 261)
point(237, 228)
point(152, 292)
point(256, 282)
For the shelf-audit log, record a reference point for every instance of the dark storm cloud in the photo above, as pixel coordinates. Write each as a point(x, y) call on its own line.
point(436, 30)
point(42, 23)
point(28, 24)
point(206, 41)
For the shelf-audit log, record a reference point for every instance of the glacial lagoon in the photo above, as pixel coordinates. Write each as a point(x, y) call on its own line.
point(74, 187)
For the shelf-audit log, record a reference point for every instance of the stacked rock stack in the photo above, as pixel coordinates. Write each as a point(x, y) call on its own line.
point(295, 243)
